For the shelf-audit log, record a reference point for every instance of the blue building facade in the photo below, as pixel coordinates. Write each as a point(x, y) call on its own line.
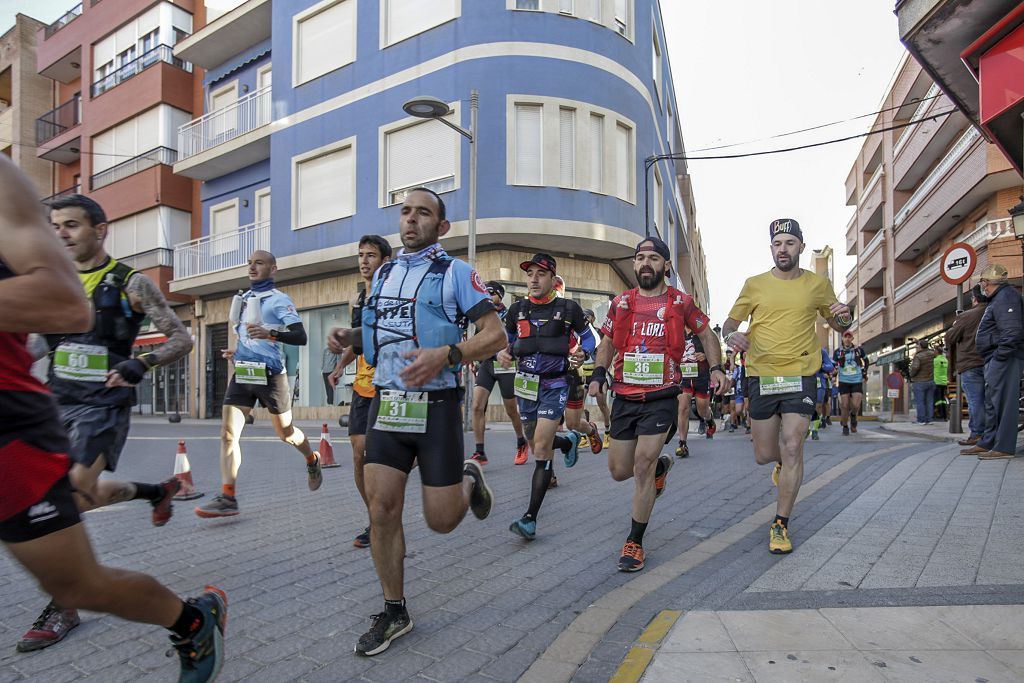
point(305, 147)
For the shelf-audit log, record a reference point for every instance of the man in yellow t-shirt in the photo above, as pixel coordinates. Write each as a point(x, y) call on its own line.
point(374, 251)
point(783, 356)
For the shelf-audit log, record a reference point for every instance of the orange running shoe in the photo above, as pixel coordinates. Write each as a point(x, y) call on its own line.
point(522, 454)
point(632, 559)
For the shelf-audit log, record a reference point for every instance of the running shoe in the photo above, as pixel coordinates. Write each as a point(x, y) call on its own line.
point(162, 507)
point(202, 655)
point(222, 505)
point(701, 427)
point(522, 454)
point(632, 558)
point(776, 472)
point(846, 430)
point(814, 434)
point(584, 440)
point(316, 477)
point(746, 430)
point(479, 457)
point(607, 438)
point(710, 432)
point(572, 455)
point(363, 539)
point(527, 528)
point(595, 440)
point(481, 498)
point(52, 626)
point(553, 484)
point(732, 428)
point(659, 482)
point(778, 539)
point(853, 424)
point(383, 629)
point(682, 450)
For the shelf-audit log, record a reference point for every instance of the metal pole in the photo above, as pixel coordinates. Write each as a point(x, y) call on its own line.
point(474, 106)
point(955, 426)
point(647, 203)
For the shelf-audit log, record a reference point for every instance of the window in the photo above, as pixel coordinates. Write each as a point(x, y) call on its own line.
point(156, 127)
point(423, 154)
point(262, 201)
point(624, 164)
point(595, 10)
point(224, 228)
point(656, 63)
point(529, 144)
point(402, 19)
point(567, 147)
point(565, 7)
point(324, 39)
point(324, 184)
point(157, 228)
point(597, 153)
point(528, 4)
point(622, 17)
point(222, 126)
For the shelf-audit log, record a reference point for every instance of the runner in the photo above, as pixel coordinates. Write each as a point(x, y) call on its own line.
point(695, 384)
point(487, 375)
point(540, 330)
point(783, 357)
point(588, 371)
point(853, 369)
point(729, 399)
point(374, 251)
point(739, 380)
point(581, 364)
point(93, 376)
point(645, 333)
point(823, 379)
point(412, 332)
point(40, 523)
point(264, 319)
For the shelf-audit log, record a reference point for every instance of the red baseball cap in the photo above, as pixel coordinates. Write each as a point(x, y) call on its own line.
point(542, 260)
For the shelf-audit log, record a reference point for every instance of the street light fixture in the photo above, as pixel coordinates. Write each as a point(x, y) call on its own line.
point(1017, 214)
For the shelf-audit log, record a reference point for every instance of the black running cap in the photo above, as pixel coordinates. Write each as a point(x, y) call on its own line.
point(785, 226)
point(545, 261)
point(494, 287)
point(653, 244)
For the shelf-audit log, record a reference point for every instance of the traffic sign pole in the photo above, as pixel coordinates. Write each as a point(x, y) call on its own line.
point(955, 425)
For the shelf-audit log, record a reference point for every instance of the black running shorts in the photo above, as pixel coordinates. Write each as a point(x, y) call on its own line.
point(275, 395)
point(439, 450)
point(359, 415)
point(94, 431)
point(851, 388)
point(486, 378)
point(631, 419)
point(796, 402)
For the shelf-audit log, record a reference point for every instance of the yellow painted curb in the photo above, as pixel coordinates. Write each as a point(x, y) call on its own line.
point(641, 655)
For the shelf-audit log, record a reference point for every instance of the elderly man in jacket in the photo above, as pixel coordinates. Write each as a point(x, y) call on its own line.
point(964, 360)
point(1000, 341)
point(922, 370)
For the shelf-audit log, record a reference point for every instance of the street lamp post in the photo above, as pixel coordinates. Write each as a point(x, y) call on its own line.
point(1017, 213)
point(425, 107)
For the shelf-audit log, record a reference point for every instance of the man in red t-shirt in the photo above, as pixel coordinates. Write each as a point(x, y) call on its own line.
point(646, 334)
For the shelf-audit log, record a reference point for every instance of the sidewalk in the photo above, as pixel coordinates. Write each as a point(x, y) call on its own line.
point(936, 431)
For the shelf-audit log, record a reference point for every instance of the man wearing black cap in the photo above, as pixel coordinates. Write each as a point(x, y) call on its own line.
point(540, 328)
point(645, 334)
point(783, 356)
point(487, 374)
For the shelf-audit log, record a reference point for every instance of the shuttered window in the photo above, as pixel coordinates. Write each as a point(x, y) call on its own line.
point(405, 18)
point(424, 154)
point(529, 144)
point(597, 153)
point(623, 162)
point(325, 39)
point(567, 147)
point(324, 187)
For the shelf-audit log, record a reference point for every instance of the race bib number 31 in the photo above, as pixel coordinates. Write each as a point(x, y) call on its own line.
point(80, 362)
point(250, 373)
point(402, 411)
point(644, 369)
point(771, 386)
point(527, 386)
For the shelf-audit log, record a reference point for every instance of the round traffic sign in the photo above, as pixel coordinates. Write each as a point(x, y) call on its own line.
point(894, 381)
point(957, 264)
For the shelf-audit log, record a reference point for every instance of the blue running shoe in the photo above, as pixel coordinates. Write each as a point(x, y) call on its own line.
point(527, 528)
point(572, 455)
point(202, 655)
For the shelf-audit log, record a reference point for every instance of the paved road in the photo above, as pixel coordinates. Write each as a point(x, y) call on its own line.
point(488, 606)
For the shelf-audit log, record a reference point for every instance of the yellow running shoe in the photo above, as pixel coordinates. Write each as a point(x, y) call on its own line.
point(584, 441)
point(607, 440)
point(778, 539)
point(776, 472)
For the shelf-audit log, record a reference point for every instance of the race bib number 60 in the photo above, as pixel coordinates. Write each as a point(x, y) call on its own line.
point(80, 362)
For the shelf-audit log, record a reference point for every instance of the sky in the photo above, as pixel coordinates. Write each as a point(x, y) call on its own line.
point(746, 70)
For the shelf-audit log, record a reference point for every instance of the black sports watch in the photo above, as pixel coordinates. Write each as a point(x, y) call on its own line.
point(716, 367)
point(273, 334)
point(454, 355)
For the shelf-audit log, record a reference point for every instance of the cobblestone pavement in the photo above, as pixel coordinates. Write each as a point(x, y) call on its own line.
point(488, 606)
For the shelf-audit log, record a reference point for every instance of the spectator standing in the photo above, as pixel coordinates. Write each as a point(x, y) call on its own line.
point(965, 361)
point(922, 371)
point(940, 373)
point(327, 365)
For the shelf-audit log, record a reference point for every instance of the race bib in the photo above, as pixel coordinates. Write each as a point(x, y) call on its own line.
point(402, 411)
point(644, 369)
point(527, 386)
point(850, 372)
point(80, 362)
point(689, 370)
point(771, 386)
point(247, 372)
point(498, 370)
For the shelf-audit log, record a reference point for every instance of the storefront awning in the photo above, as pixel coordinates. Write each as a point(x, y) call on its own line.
point(891, 356)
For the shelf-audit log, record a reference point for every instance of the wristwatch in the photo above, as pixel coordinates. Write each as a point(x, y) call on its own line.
point(454, 355)
point(273, 335)
point(716, 367)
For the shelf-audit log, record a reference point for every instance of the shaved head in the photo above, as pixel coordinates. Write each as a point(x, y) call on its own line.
point(265, 256)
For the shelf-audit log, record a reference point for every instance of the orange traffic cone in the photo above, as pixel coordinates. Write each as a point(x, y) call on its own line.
point(326, 450)
point(183, 473)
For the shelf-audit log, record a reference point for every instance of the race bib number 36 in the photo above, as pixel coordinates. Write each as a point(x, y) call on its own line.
point(250, 373)
point(80, 362)
point(527, 386)
point(771, 386)
point(402, 411)
point(644, 369)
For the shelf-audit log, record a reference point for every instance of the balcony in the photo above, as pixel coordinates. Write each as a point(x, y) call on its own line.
point(154, 258)
point(872, 309)
point(215, 253)
point(228, 35)
point(871, 262)
point(926, 145)
point(63, 21)
point(74, 189)
point(154, 157)
point(59, 120)
point(160, 53)
point(869, 208)
point(851, 236)
point(227, 139)
point(926, 103)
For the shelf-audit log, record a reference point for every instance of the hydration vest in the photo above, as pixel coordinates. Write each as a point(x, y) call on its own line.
point(116, 326)
point(625, 341)
point(551, 338)
point(431, 326)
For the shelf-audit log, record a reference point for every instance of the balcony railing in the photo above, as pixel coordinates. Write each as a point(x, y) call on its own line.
point(64, 20)
point(161, 256)
point(872, 308)
point(981, 236)
point(929, 183)
point(922, 107)
point(876, 177)
point(154, 157)
point(74, 189)
point(56, 121)
point(160, 53)
point(219, 252)
point(875, 241)
point(244, 115)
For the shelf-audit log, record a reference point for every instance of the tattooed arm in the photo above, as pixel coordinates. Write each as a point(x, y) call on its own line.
point(147, 298)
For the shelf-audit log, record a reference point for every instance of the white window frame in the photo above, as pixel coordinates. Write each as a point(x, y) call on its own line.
point(385, 39)
point(571, 11)
point(513, 138)
point(597, 157)
point(623, 25)
point(257, 195)
point(657, 64)
point(226, 245)
point(383, 184)
point(630, 168)
point(597, 18)
point(217, 92)
point(514, 5)
point(573, 182)
point(297, 19)
point(312, 154)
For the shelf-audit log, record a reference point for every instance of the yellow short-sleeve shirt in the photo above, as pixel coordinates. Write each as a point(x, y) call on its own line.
point(782, 317)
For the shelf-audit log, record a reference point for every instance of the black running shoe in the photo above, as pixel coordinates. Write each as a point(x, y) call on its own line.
point(481, 499)
point(383, 629)
point(363, 539)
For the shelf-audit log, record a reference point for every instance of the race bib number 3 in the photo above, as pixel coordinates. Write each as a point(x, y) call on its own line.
point(527, 386)
point(689, 370)
point(80, 362)
point(771, 386)
point(250, 373)
point(644, 369)
point(402, 411)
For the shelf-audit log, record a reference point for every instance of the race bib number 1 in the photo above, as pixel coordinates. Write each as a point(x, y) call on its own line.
point(402, 411)
point(250, 373)
point(771, 386)
point(644, 369)
point(80, 362)
point(689, 369)
point(527, 386)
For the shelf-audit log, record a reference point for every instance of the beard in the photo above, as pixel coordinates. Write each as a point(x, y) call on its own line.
point(648, 279)
point(789, 264)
